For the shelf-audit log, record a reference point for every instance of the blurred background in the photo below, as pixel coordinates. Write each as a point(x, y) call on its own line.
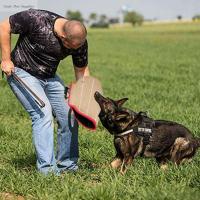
point(106, 13)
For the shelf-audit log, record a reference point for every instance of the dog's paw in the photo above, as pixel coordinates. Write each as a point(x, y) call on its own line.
point(164, 167)
point(123, 171)
point(116, 163)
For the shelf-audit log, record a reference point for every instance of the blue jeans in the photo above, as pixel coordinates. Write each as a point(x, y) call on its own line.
point(51, 91)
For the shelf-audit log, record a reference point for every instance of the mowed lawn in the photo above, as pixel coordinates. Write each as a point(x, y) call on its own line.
point(158, 69)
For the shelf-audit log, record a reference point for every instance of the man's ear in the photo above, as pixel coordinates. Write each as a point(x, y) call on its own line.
point(121, 102)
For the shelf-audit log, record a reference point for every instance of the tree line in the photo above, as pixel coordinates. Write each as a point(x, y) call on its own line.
point(103, 21)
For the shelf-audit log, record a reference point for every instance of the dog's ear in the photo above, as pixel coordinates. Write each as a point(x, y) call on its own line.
point(140, 115)
point(121, 102)
point(121, 115)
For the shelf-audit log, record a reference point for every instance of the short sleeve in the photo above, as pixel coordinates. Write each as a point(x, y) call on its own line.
point(22, 22)
point(80, 56)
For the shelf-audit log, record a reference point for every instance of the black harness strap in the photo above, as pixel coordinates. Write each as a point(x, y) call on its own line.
point(144, 129)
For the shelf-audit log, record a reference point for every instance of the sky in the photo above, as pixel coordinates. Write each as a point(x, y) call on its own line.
point(150, 9)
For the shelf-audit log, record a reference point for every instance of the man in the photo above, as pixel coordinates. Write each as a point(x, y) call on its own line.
point(45, 38)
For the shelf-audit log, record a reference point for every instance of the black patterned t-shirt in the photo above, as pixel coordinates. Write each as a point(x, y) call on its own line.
point(38, 50)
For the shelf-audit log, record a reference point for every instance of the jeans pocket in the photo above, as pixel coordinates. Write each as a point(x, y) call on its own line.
point(22, 73)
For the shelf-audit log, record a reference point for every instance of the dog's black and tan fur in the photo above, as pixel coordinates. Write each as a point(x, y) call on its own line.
point(164, 140)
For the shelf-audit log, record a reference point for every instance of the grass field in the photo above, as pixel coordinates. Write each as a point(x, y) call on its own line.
point(158, 69)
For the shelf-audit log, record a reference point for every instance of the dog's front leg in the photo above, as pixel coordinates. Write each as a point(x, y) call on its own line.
point(117, 162)
point(128, 159)
point(122, 147)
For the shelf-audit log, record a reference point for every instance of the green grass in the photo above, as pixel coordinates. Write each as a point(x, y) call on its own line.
point(158, 69)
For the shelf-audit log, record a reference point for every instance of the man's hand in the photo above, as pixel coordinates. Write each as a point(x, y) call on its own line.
point(7, 67)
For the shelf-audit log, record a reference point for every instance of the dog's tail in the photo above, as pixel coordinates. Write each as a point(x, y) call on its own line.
point(196, 142)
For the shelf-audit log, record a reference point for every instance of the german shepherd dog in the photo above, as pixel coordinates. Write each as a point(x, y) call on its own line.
point(137, 134)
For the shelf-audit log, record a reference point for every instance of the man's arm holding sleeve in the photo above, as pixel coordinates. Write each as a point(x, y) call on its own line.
point(80, 72)
point(19, 23)
point(5, 44)
point(80, 61)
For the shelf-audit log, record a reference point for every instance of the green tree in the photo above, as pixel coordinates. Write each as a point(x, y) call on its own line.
point(103, 18)
point(134, 18)
point(179, 17)
point(93, 17)
point(196, 17)
point(75, 15)
point(99, 21)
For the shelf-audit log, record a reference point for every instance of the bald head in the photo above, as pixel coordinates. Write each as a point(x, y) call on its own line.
point(74, 30)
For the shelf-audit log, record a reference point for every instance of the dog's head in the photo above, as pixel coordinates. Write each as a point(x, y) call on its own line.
point(113, 116)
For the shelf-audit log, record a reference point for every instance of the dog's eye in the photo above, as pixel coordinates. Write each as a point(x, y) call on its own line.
point(110, 121)
point(109, 118)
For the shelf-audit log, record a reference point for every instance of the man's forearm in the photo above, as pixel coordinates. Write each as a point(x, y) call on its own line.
point(80, 72)
point(7, 65)
point(5, 40)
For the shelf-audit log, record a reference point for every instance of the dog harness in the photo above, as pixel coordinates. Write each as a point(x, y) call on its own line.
point(144, 129)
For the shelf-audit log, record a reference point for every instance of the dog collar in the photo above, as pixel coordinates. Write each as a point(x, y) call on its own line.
point(125, 133)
